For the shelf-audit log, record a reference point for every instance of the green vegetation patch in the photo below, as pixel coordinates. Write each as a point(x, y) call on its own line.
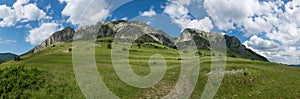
point(19, 81)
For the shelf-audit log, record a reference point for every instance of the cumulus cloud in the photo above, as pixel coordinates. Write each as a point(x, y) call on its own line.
point(226, 13)
point(2, 41)
point(179, 15)
point(277, 23)
point(21, 11)
point(258, 43)
point(84, 12)
point(41, 33)
point(48, 7)
point(149, 13)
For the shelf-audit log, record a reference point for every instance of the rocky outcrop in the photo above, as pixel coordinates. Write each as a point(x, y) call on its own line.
point(203, 40)
point(133, 30)
point(235, 44)
point(139, 32)
point(61, 36)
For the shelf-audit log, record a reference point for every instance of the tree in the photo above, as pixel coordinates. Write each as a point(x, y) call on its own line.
point(233, 56)
point(70, 49)
point(198, 53)
point(139, 45)
point(109, 46)
point(17, 58)
point(175, 47)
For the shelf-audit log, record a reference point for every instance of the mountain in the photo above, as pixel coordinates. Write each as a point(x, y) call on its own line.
point(233, 45)
point(49, 72)
point(6, 57)
point(139, 32)
point(295, 65)
point(59, 36)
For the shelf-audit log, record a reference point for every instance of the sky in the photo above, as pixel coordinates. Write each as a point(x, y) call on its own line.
point(268, 27)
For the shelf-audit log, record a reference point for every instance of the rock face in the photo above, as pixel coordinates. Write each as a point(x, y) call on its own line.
point(233, 45)
point(137, 31)
point(60, 36)
point(6, 57)
point(140, 32)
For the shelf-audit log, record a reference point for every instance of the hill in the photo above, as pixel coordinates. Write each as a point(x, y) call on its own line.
point(6, 57)
point(48, 72)
point(144, 33)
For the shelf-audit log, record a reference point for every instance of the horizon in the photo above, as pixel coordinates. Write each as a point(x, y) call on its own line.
point(270, 30)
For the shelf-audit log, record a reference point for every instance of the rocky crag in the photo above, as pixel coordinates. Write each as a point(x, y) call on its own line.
point(144, 33)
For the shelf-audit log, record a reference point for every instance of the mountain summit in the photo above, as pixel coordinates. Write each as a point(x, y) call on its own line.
point(147, 34)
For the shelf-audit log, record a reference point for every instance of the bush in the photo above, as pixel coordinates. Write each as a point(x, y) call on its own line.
point(124, 49)
point(198, 53)
point(70, 49)
point(109, 46)
point(18, 58)
point(213, 54)
point(175, 47)
point(139, 45)
point(17, 81)
point(233, 56)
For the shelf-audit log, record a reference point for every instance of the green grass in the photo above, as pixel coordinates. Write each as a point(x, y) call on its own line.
point(259, 80)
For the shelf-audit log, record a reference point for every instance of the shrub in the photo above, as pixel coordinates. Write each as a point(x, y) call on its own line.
point(124, 49)
point(70, 49)
point(139, 45)
point(233, 56)
point(175, 47)
point(198, 53)
point(213, 54)
point(18, 58)
point(185, 51)
point(17, 81)
point(109, 46)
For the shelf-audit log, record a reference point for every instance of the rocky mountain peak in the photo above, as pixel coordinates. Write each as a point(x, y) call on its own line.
point(141, 32)
point(63, 35)
point(204, 39)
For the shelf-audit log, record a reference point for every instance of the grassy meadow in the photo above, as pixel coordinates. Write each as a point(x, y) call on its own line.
point(49, 74)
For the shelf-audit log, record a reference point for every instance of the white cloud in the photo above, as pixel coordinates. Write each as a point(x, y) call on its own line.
point(21, 11)
point(179, 15)
point(62, 1)
point(258, 43)
point(48, 7)
point(8, 16)
point(125, 18)
point(149, 13)
point(41, 33)
point(181, 2)
point(79, 14)
point(226, 13)
point(277, 22)
point(175, 10)
point(2, 41)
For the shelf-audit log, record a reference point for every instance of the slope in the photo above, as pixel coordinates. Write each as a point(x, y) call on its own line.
point(143, 33)
point(245, 78)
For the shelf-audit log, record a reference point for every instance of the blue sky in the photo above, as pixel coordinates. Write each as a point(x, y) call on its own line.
point(269, 27)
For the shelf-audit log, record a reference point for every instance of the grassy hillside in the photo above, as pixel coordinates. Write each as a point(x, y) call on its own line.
point(49, 73)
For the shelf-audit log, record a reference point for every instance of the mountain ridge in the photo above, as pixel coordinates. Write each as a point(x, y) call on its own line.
point(144, 33)
point(6, 57)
